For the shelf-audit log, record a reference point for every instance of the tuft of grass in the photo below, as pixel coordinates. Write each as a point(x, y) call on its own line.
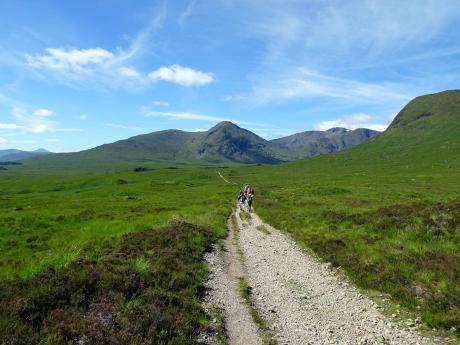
point(141, 265)
point(245, 216)
point(246, 292)
point(263, 229)
point(217, 315)
point(221, 246)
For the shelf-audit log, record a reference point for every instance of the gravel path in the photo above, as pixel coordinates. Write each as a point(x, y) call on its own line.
point(304, 301)
point(223, 293)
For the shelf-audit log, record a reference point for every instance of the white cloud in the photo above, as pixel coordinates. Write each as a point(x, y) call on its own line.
point(303, 83)
point(39, 128)
point(9, 126)
point(193, 116)
point(43, 112)
point(74, 60)
point(128, 72)
point(354, 121)
point(81, 117)
point(161, 104)
point(52, 140)
point(68, 130)
point(132, 128)
point(2, 141)
point(184, 76)
point(33, 122)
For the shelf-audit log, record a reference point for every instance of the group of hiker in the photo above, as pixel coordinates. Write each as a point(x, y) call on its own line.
point(246, 198)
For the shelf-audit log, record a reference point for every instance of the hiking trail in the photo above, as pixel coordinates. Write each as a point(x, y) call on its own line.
point(301, 299)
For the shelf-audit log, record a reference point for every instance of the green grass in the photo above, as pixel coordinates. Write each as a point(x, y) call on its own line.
point(140, 288)
point(108, 256)
point(263, 229)
point(245, 216)
point(45, 219)
point(246, 292)
point(387, 212)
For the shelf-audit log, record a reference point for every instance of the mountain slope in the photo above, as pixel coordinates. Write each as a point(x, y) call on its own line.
point(13, 155)
point(313, 143)
point(225, 143)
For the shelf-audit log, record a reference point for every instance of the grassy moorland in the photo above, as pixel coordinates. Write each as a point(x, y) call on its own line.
point(387, 212)
point(116, 257)
point(106, 258)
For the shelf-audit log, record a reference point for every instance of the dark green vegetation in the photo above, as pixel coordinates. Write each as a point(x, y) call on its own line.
point(107, 258)
point(225, 143)
point(17, 155)
point(387, 211)
point(140, 288)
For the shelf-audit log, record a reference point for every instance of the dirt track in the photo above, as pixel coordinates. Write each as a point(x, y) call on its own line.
point(302, 300)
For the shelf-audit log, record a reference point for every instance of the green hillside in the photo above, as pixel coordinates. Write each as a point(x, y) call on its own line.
point(387, 212)
point(223, 144)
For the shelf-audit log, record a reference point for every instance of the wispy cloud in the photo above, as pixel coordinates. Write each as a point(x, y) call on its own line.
point(304, 83)
point(131, 128)
point(70, 60)
point(161, 104)
point(354, 121)
point(81, 117)
point(193, 116)
point(9, 126)
point(37, 122)
point(184, 76)
point(314, 51)
point(67, 130)
point(128, 72)
point(3, 141)
point(43, 112)
point(140, 40)
point(186, 13)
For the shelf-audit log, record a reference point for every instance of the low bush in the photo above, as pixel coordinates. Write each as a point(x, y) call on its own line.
point(141, 288)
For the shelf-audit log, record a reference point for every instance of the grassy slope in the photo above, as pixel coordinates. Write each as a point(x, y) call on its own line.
point(388, 211)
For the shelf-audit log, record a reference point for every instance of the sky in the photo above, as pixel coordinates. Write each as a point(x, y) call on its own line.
point(77, 74)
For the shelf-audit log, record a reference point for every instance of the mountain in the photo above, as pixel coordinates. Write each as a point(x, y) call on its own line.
point(225, 143)
point(13, 155)
point(313, 143)
point(424, 136)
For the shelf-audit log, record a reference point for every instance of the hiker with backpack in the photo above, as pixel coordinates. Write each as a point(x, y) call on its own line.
point(248, 193)
point(241, 199)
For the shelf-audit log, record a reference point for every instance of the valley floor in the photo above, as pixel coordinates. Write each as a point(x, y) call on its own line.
point(293, 298)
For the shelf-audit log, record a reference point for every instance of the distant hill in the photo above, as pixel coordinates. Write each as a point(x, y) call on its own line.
point(313, 143)
point(13, 155)
point(225, 143)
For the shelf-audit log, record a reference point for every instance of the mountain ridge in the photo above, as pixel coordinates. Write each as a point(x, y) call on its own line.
point(224, 143)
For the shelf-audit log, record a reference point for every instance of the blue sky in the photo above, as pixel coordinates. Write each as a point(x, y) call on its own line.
point(76, 74)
